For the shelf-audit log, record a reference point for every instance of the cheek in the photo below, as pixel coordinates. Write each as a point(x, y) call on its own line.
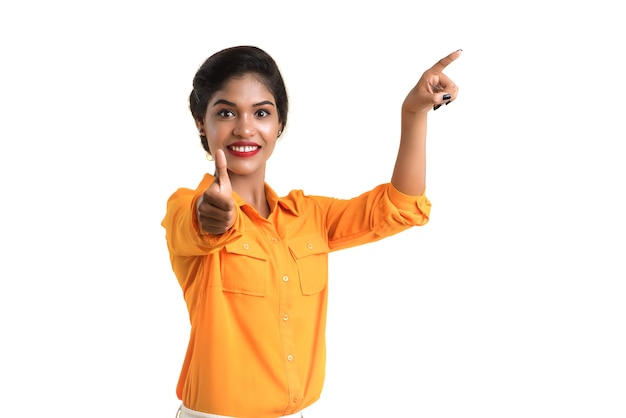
point(217, 132)
point(214, 138)
point(270, 146)
point(213, 129)
point(269, 130)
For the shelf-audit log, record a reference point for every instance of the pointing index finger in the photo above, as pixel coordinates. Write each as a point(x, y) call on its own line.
point(445, 61)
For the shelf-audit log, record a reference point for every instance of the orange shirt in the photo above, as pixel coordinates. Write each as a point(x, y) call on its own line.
point(257, 294)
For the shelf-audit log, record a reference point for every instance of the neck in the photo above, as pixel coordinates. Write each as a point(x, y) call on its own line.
point(252, 191)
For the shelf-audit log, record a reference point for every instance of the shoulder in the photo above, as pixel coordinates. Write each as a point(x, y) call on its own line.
point(206, 181)
point(182, 192)
point(300, 196)
point(300, 202)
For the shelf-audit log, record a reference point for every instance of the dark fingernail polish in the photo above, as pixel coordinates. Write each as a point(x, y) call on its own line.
point(437, 106)
point(446, 97)
point(448, 102)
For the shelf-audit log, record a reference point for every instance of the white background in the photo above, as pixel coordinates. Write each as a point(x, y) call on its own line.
point(509, 303)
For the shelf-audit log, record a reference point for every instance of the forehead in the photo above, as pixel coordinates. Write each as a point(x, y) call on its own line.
point(246, 86)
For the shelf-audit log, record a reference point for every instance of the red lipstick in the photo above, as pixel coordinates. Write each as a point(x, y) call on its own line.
point(243, 149)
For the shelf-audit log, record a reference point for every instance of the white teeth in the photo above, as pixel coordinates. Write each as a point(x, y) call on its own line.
point(247, 148)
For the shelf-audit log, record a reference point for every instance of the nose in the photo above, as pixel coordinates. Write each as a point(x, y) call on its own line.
point(245, 126)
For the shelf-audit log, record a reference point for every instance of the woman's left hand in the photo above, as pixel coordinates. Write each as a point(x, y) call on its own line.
point(433, 89)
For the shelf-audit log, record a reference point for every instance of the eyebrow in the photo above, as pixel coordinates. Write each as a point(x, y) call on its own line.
point(227, 103)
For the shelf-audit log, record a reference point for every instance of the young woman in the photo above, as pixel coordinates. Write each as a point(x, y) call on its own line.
point(252, 265)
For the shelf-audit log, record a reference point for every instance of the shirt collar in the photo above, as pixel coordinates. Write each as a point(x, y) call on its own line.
point(272, 198)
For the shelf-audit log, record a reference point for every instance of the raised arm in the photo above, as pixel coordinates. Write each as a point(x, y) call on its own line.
point(431, 91)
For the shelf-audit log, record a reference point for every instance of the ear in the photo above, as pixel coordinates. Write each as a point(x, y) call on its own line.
point(200, 125)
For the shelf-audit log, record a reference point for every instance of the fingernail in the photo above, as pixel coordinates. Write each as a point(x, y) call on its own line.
point(448, 102)
point(446, 97)
point(437, 106)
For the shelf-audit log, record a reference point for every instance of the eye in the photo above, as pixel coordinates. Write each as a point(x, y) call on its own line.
point(262, 113)
point(225, 113)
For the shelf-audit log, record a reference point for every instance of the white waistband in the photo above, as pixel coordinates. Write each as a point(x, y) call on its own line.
point(184, 412)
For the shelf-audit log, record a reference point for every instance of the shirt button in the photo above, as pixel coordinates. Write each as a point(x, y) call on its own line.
point(290, 357)
point(274, 240)
point(246, 246)
point(285, 317)
point(285, 279)
point(309, 246)
point(295, 399)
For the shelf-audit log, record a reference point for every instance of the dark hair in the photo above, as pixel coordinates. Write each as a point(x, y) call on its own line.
point(231, 62)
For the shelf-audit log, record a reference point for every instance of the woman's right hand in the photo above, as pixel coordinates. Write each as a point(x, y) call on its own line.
point(216, 208)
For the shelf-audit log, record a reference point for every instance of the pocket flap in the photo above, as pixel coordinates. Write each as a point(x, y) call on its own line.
point(247, 248)
point(309, 245)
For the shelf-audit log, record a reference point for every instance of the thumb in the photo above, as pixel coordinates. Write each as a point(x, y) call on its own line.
point(221, 172)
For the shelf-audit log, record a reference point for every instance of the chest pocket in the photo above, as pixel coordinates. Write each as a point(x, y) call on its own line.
point(311, 256)
point(245, 268)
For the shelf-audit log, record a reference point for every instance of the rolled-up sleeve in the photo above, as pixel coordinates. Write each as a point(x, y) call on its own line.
point(413, 209)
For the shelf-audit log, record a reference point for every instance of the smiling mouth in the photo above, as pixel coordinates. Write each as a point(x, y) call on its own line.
point(244, 148)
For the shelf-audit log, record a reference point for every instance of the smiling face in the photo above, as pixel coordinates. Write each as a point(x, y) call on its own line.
point(242, 120)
